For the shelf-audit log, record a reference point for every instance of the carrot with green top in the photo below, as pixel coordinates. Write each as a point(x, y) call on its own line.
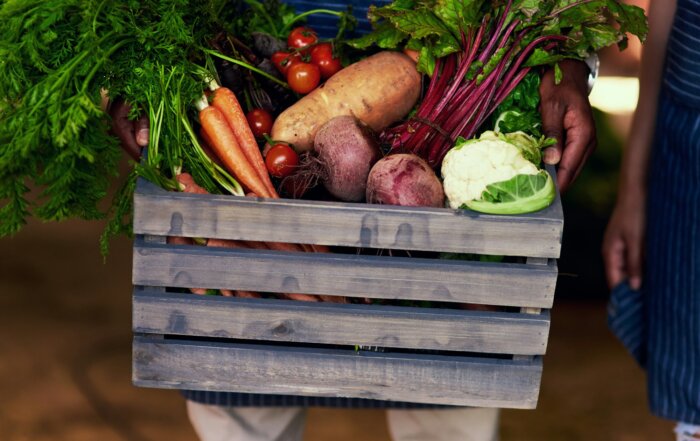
point(225, 100)
point(227, 148)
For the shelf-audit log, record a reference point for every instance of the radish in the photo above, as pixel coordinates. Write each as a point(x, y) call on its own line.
point(404, 179)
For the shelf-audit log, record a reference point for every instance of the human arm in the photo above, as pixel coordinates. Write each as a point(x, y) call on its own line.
point(568, 118)
point(624, 237)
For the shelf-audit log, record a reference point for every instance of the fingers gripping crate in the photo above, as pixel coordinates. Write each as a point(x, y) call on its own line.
point(431, 355)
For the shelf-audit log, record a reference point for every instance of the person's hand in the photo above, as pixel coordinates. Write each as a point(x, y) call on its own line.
point(623, 243)
point(567, 117)
point(132, 134)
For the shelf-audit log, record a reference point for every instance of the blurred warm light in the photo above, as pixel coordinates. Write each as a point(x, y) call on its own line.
point(616, 95)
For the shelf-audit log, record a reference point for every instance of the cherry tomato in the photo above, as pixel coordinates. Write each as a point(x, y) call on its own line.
point(322, 56)
point(303, 77)
point(301, 37)
point(284, 60)
point(260, 122)
point(281, 160)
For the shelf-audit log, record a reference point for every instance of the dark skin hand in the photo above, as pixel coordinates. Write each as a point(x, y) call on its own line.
point(567, 117)
point(132, 134)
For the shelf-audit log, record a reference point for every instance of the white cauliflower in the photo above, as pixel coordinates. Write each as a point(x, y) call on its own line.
point(472, 165)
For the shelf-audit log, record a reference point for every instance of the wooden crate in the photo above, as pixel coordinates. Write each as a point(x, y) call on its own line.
point(432, 355)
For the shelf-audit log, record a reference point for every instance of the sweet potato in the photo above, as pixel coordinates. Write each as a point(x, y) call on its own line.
point(378, 90)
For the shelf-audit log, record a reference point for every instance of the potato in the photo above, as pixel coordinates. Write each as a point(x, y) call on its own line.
point(379, 91)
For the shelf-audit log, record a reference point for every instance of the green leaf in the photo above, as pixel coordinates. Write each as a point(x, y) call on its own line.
point(419, 25)
point(384, 36)
point(458, 15)
point(426, 60)
point(519, 195)
point(558, 74)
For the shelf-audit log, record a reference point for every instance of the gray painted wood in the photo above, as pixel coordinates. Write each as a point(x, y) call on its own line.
point(348, 224)
point(342, 324)
point(323, 372)
point(346, 275)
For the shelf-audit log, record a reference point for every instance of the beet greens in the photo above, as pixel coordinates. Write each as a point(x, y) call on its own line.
point(476, 52)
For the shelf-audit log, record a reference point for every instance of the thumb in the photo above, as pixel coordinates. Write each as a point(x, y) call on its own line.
point(553, 127)
point(141, 131)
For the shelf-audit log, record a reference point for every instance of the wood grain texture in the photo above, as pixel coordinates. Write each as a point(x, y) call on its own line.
point(326, 323)
point(160, 212)
point(346, 275)
point(436, 379)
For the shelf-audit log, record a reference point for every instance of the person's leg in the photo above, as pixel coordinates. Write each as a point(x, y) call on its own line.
point(219, 423)
point(461, 424)
point(687, 432)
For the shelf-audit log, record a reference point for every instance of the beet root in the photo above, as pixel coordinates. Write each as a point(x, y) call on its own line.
point(404, 179)
point(347, 149)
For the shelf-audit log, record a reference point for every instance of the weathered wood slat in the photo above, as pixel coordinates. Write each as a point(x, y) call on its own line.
point(346, 275)
point(326, 323)
point(359, 225)
point(319, 372)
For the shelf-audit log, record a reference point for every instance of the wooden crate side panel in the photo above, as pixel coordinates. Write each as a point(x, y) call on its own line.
point(316, 372)
point(345, 275)
point(159, 212)
point(326, 323)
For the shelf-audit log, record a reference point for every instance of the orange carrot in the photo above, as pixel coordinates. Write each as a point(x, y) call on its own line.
point(229, 151)
point(225, 100)
point(205, 142)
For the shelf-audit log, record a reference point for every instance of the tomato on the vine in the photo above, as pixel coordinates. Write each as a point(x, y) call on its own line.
point(281, 160)
point(284, 60)
point(260, 122)
point(301, 37)
point(322, 56)
point(303, 77)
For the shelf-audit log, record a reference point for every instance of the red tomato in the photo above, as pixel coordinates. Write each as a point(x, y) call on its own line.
point(303, 77)
point(260, 122)
point(281, 160)
point(301, 37)
point(322, 56)
point(284, 60)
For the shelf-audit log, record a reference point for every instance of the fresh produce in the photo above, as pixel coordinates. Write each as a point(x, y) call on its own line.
point(284, 60)
point(301, 38)
point(303, 77)
point(281, 160)
point(346, 150)
point(228, 149)
point(322, 56)
point(477, 52)
point(493, 175)
point(378, 90)
point(224, 100)
point(404, 179)
point(260, 122)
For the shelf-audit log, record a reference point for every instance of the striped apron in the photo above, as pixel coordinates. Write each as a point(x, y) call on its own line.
point(661, 325)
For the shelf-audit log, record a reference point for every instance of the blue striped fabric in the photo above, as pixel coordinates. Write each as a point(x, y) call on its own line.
point(662, 325)
point(683, 60)
point(326, 26)
point(627, 317)
point(673, 263)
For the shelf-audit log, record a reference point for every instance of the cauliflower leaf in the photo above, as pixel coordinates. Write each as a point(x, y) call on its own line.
point(518, 195)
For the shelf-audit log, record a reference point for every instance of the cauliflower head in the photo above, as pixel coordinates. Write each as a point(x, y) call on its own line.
point(474, 164)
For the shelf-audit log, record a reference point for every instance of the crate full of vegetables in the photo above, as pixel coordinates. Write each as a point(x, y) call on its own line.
point(358, 216)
